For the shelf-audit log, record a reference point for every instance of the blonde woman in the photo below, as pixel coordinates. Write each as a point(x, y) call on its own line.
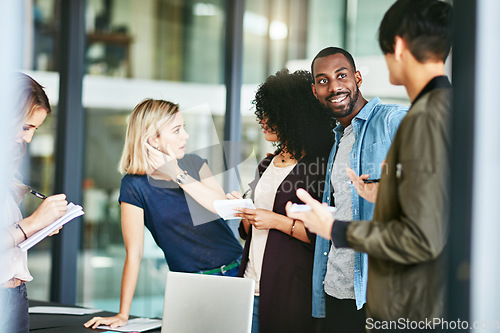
point(171, 193)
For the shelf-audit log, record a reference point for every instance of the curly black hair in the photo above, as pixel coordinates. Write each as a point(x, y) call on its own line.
point(286, 104)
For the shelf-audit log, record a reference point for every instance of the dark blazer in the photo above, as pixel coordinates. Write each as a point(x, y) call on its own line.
point(286, 279)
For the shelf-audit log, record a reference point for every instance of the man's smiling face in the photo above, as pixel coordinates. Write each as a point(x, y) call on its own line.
point(336, 85)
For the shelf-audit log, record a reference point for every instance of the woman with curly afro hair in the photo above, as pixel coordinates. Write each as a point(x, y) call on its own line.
point(279, 251)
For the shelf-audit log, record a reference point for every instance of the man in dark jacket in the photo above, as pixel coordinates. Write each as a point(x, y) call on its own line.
point(406, 238)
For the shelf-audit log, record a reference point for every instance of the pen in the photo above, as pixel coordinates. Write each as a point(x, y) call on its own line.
point(37, 194)
point(370, 181)
point(246, 193)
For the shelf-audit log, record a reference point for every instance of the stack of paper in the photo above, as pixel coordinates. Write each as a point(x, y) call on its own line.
point(300, 208)
point(72, 212)
point(62, 310)
point(225, 208)
point(135, 325)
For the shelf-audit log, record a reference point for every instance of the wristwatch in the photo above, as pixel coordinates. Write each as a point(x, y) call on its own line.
point(181, 177)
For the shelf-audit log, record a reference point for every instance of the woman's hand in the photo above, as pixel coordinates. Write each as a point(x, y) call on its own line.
point(366, 191)
point(113, 322)
point(237, 195)
point(261, 219)
point(234, 195)
point(51, 209)
point(319, 220)
point(161, 165)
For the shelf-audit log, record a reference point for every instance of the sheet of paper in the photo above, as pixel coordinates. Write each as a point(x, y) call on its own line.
point(135, 325)
point(299, 208)
point(72, 212)
point(225, 208)
point(62, 310)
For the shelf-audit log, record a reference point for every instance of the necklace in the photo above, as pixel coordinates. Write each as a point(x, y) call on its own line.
point(283, 157)
point(287, 157)
point(284, 160)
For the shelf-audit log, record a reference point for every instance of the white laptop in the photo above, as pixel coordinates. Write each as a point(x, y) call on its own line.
point(197, 303)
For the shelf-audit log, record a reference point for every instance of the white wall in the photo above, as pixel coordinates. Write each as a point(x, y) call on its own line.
point(485, 270)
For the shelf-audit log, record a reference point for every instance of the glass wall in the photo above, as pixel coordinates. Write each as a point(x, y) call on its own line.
point(41, 31)
point(137, 49)
point(173, 50)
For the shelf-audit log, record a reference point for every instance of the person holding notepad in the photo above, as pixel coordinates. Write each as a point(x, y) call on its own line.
point(172, 194)
point(32, 109)
point(279, 251)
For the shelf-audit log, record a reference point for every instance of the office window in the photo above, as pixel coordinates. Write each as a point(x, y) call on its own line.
point(40, 61)
point(368, 18)
point(140, 49)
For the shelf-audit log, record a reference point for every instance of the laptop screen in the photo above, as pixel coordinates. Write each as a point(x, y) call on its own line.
point(207, 303)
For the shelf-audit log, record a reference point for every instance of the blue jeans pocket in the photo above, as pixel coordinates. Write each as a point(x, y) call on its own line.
point(14, 315)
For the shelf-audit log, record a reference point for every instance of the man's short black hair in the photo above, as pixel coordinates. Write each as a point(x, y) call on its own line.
point(331, 51)
point(425, 25)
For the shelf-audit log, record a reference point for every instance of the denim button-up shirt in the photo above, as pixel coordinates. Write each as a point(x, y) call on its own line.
point(374, 128)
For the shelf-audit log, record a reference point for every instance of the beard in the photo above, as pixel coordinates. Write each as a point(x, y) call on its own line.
point(344, 111)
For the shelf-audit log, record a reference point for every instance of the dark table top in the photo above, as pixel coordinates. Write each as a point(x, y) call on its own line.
point(60, 323)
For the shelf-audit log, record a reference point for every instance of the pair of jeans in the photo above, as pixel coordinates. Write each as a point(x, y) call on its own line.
point(14, 315)
point(255, 316)
point(231, 272)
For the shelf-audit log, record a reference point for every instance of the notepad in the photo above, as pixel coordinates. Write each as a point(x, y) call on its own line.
point(72, 212)
point(225, 208)
point(300, 208)
point(62, 310)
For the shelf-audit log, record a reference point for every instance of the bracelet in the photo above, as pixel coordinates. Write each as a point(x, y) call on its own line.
point(293, 226)
point(18, 226)
point(181, 178)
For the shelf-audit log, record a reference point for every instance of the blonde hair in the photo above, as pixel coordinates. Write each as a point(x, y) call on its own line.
point(145, 122)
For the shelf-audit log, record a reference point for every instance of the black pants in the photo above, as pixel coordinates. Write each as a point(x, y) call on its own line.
point(342, 316)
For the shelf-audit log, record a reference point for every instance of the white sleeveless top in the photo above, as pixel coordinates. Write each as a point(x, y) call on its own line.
point(265, 193)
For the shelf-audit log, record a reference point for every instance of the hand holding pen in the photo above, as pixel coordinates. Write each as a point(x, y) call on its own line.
point(366, 188)
point(52, 208)
point(237, 195)
point(160, 164)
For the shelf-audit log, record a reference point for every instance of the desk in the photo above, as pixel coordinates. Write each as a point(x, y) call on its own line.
point(58, 323)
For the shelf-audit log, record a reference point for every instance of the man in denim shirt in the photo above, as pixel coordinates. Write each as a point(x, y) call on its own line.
point(362, 140)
